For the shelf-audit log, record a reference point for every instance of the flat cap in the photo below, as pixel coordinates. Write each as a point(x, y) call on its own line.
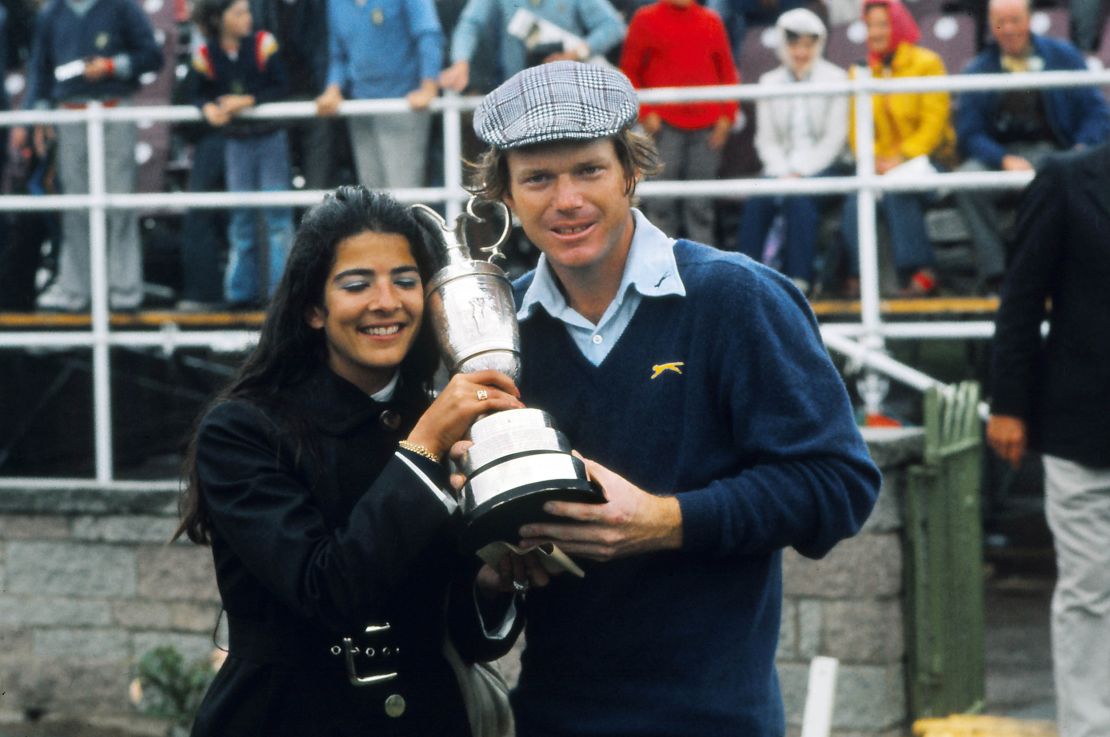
point(559, 101)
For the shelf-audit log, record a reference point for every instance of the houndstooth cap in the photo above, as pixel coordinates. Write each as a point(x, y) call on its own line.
point(562, 100)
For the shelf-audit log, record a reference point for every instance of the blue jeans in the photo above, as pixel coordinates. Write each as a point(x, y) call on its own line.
point(800, 219)
point(905, 219)
point(254, 164)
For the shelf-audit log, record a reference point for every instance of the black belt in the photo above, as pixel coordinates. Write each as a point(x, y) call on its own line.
point(370, 657)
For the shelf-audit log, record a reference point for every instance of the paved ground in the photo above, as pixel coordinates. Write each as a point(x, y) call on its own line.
point(1018, 656)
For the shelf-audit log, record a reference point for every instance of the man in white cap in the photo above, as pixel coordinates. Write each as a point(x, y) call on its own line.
point(696, 383)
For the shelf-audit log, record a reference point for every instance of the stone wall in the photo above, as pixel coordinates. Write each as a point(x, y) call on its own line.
point(89, 583)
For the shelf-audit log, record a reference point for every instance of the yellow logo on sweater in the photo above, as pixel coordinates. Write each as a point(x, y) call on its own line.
point(660, 368)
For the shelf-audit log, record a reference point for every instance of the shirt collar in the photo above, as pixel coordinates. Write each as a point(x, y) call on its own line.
point(651, 270)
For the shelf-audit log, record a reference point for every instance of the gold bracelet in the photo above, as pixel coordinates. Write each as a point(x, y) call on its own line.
point(419, 450)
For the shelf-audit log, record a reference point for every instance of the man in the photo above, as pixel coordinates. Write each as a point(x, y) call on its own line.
point(1016, 130)
point(1052, 396)
point(678, 43)
point(596, 22)
point(86, 50)
point(696, 383)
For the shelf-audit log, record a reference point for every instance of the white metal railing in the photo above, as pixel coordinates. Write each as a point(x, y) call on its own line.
point(862, 343)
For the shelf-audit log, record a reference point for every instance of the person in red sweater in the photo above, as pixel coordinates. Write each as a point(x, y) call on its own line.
point(678, 43)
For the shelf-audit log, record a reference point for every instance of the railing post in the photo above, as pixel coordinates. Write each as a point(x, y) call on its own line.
point(98, 263)
point(872, 387)
point(452, 155)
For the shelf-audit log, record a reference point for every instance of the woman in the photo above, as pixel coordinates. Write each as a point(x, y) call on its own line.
point(908, 126)
point(316, 478)
point(801, 136)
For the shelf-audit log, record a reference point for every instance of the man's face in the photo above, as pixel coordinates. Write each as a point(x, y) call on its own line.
point(572, 202)
point(1009, 21)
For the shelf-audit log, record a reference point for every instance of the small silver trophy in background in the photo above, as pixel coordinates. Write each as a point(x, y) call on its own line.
point(519, 460)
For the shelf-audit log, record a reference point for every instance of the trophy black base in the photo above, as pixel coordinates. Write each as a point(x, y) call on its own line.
point(499, 519)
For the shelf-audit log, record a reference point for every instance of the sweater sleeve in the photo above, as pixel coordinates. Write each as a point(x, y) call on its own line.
point(807, 480)
point(40, 68)
point(143, 54)
point(265, 513)
point(1017, 336)
point(475, 16)
point(972, 123)
point(274, 82)
point(602, 23)
point(634, 53)
point(425, 28)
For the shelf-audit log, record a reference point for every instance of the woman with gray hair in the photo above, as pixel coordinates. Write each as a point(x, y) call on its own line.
point(798, 136)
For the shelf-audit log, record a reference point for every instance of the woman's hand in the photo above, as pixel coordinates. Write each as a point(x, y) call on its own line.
point(513, 574)
point(465, 398)
point(327, 104)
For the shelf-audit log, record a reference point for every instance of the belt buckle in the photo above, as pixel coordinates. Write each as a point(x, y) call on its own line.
point(350, 650)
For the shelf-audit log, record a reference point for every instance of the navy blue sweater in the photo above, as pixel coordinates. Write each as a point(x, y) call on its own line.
point(757, 439)
point(116, 29)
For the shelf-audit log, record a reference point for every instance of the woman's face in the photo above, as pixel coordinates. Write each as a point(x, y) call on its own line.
point(800, 51)
point(878, 30)
point(237, 20)
point(373, 306)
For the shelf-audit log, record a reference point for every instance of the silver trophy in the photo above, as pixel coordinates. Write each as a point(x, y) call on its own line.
point(519, 460)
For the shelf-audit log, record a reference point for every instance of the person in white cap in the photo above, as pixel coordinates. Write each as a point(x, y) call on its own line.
point(802, 136)
point(695, 383)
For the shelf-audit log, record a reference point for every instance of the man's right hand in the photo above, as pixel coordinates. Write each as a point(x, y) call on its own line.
point(1007, 436)
point(1011, 162)
point(327, 104)
point(455, 77)
point(651, 123)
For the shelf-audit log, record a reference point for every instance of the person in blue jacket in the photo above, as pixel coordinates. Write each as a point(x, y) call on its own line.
point(86, 51)
point(696, 383)
point(1015, 130)
point(377, 50)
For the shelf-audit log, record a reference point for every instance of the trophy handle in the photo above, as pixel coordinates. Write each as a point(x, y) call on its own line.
point(494, 250)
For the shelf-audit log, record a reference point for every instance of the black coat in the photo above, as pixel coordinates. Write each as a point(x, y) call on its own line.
point(314, 543)
point(1060, 386)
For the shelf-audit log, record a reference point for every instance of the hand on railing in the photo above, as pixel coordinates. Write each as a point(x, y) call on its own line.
point(327, 104)
point(455, 77)
point(421, 98)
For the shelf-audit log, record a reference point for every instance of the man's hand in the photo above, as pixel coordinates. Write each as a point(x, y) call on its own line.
point(235, 104)
point(1007, 436)
point(651, 123)
point(581, 52)
point(421, 97)
point(513, 574)
point(719, 137)
point(327, 104)
point(632, 521)
point(98, 68)
point(1010, 162)
point(455, 77)
point(883, 164)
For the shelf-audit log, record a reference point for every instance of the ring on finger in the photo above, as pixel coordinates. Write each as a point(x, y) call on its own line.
point(520, 586)
point(482, 394)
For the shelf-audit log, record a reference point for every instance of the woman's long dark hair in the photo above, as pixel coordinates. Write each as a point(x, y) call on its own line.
point(289, 349)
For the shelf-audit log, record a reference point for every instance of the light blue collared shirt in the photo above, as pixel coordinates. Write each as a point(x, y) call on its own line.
point(650, 271)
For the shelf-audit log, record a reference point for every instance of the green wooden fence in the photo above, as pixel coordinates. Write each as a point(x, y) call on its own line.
point(944, 561)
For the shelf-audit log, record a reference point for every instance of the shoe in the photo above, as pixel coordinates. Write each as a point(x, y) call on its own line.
point(197, 305)
point(923, 283)
point(54, 300)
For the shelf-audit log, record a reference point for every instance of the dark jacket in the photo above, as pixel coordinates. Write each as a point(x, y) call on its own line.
point(307, 38)
point(1077, 115)
point(1060, 386)
point(117, 29)
point(257, 70)
point(315, 543)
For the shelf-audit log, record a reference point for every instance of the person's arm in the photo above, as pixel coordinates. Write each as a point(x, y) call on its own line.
point(264, 512)
point(143, 53)
point(1042, 244)
point(474, 19)
point(934, 115)
point(601, 25)
point(725, 67)
point(973, 124)
point(423, 25)
point(808, 480)
point(772, 152)
point(634, 59)
point(328, 101)
point(832, 138)
point(275, 82)
point(40, 68)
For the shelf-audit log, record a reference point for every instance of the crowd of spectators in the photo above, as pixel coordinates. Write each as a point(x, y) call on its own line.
point(329, 51)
